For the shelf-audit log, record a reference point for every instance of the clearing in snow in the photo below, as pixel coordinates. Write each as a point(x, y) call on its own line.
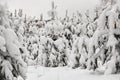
point(65, 73)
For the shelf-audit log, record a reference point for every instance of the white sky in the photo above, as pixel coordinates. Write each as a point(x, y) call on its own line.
point(36, 7)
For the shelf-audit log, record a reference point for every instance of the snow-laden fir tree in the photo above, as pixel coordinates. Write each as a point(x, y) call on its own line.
point(106, 37)
point(11, 50)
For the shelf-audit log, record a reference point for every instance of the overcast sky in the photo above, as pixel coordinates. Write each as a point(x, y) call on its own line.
point(36, 7)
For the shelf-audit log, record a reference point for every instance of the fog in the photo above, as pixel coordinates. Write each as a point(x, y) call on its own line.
point(36, 7)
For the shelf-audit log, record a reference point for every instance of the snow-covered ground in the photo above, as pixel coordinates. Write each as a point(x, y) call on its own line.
point(64, 73)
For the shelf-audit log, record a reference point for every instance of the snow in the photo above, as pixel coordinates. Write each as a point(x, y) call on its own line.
point(60, 42)
point(65, 73)
point(2, 44)
point(111, 67)
point(7, 69)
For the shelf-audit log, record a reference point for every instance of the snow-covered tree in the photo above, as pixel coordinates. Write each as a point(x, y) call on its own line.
point(12, 64)
point(105, 37)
